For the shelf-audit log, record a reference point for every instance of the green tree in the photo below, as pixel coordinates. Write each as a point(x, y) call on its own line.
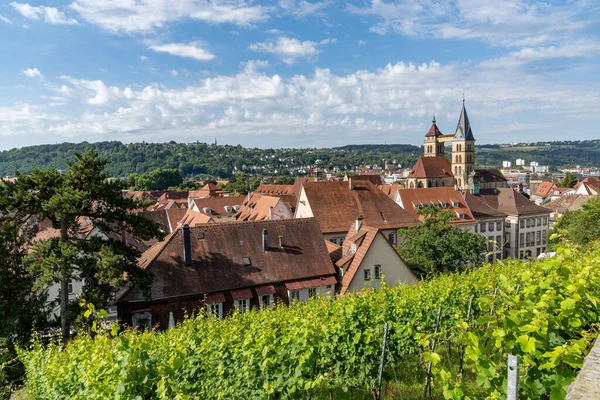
point(439, 246)
point(568, 182)
point(82, 195)
point(580, 227)
point(239, 185)
point(159, 179)
point(22, 308)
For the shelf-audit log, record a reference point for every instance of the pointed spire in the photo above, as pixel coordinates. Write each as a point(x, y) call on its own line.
point(463, 129)
point(433, 131)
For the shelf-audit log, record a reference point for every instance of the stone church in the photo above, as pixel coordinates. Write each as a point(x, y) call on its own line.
point(434, 169)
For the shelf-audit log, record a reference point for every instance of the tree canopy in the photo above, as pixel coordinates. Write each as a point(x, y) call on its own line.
point(580, 227)
point(438, 246)
point(83, 195)
point(569, 181)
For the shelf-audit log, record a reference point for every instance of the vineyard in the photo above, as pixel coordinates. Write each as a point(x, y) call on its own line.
point(545, 312)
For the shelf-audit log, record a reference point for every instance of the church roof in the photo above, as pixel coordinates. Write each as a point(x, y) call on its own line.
point(463, 129)
point(432, 167)
point(433, 131)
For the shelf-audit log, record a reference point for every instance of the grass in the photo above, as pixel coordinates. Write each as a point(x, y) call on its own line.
point(405, 381)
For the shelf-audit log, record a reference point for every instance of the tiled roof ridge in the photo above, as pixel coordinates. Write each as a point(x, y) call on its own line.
point(262, 222)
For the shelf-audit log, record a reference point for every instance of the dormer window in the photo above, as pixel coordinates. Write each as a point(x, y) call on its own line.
point(455, 204)
point(247, 262)
point(200, 235)
point(443, 205)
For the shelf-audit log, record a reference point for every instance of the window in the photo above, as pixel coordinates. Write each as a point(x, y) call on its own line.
point(392, 238)
point(200, 235)
point(522, 239)
point(522, 223)
point(544, 238)
point(528, 239)
point(483, 227)
point(539, 238)
point(499, 226)
point(294, 295)
point(246, 261)
point(367, 273)
point(507, 225)
point(70, 288)
point(491, 258)
point(312, 292)
point(377, 271)
point(545, 221)
point(539, 221)
point(142, 321)
point(507, 240)
point(538, 251)
point(328, 288)
point(528, 223)
point(267, 300)
point(490, 243)
point(475, 228)
point(491, 227)
point(242, 305)
point(498, 242)
point(215, 310)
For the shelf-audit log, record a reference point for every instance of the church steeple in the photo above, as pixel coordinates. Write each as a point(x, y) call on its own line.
point(432, 146)
point(463, 150)
point(463, 129)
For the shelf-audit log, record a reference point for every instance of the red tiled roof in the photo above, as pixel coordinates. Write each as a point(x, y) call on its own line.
point(241, 294)
point(510, 201)
point(441, 196)
point(259, 207)
point(218, 251)
point(274, 190)
point(433, 131)
point(265, 290)
point(310, 283)
point(390, 190)
point(571, 203)
point(194, 218)
point(217, 204)
point(212, 298)
point(375, 179)
point(432, 167)
point(336, 207)
point(544, 189)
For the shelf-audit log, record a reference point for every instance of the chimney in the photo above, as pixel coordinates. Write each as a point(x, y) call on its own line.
point(187, 245)
point(265, 240)
point(270, 213)
point(351, 183)
point(281, 242)
point(359, 221)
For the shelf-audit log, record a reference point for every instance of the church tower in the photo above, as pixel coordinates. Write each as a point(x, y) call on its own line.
point(432, 144)
point(463, 150)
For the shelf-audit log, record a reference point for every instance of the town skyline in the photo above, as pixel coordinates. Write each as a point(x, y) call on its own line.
point(296, 74)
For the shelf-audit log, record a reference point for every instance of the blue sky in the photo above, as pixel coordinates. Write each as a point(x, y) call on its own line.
point(297, 73)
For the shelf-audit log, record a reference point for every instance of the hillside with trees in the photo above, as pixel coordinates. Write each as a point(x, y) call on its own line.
point(201, 159)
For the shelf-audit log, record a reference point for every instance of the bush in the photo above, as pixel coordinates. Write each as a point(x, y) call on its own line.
point(309, 347)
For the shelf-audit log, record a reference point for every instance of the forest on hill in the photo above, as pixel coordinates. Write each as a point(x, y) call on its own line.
point(201, 159)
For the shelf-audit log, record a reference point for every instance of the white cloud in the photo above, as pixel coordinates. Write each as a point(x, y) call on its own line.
point(143, 58)
point(361, 43)
point(101, 91)
point(578, 49)
point(32, 73)
point(502, 23)
point(147, 15)
point(174, 72)
point(190, 50)
point(303, 8)
point(290, 49)
point(50, 15)
point(274, 31)
point(4, 19)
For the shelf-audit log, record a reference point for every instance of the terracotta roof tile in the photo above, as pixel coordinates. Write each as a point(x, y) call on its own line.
point(444, 197)
point(336, 207)
point(544, 189)
point(510, 201)
point(570, 203)
point(432, 167)
point(217, 253)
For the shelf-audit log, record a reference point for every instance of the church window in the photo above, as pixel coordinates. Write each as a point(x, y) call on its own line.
point(412, 185)
point(429, 184)
point(420, 184)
